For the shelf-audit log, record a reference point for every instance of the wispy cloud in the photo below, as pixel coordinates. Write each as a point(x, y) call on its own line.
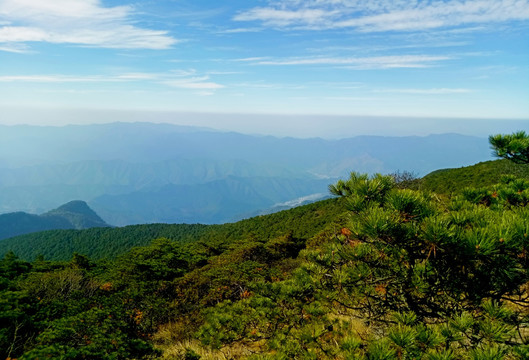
point(251, 59)
point(240, 30)
point(373, 48)
point(287, 17)
point(14, 48)
point(385, 15)
point(80, 22)
point(176, 79)
point(375, 62)
point(137, 76)
point(196, 83)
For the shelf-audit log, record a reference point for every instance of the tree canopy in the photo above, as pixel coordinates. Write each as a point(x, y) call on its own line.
point(514, 147)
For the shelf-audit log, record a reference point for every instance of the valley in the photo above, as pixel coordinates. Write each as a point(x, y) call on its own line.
point(137, 173)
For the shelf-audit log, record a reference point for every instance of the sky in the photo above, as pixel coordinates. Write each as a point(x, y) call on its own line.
point(291, 67)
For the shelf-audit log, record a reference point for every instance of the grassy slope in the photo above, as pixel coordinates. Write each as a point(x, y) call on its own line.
point(447, 181)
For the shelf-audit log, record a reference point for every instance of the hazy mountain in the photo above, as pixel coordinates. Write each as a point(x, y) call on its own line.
point(144, 172)
point(218, 201)
point(39, 187)
point(155, 143)
point(73, 215)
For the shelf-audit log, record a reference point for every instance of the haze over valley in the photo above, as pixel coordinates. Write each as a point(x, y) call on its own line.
point(132, 173)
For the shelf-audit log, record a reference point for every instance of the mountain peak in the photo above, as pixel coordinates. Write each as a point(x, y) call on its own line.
point(79, 214)
point(75, 206)
point(73, 215)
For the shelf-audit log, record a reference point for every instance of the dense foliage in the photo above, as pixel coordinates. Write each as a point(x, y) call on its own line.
point(117, 309)
point(381, 272)
point(410, 278)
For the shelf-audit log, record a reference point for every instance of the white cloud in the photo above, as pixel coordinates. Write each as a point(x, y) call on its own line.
point(175, 79)
point(386, 15)
point(15, 34)
point(42, 11)
point(251, 59)
point(14, 48)
point(195, 83)
point(240, 30)
point(80, 22)
point(375, 62)
point(280, 17)
point(137, 76)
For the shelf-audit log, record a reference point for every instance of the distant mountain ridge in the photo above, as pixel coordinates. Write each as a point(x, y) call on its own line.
point(120, 168)
point(73, 215)
point(144, 143)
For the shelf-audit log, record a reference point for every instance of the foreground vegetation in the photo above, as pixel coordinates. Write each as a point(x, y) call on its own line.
point(406, 274)
point(117, 307)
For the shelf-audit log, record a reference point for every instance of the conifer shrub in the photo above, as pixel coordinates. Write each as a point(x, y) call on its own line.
point(430, 280)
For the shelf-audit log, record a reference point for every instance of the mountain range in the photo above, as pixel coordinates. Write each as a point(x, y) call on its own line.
point(132, 173)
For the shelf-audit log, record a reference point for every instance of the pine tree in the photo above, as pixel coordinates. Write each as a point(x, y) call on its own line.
point(514, 146)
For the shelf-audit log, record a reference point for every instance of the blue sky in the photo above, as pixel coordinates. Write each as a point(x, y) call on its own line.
point(331, 59)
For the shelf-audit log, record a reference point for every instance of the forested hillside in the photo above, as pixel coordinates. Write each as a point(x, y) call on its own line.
point(482, 174)
point(98, 243)
point(380, 272)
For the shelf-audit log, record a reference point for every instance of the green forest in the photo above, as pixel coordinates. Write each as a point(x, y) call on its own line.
point(392, 267)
